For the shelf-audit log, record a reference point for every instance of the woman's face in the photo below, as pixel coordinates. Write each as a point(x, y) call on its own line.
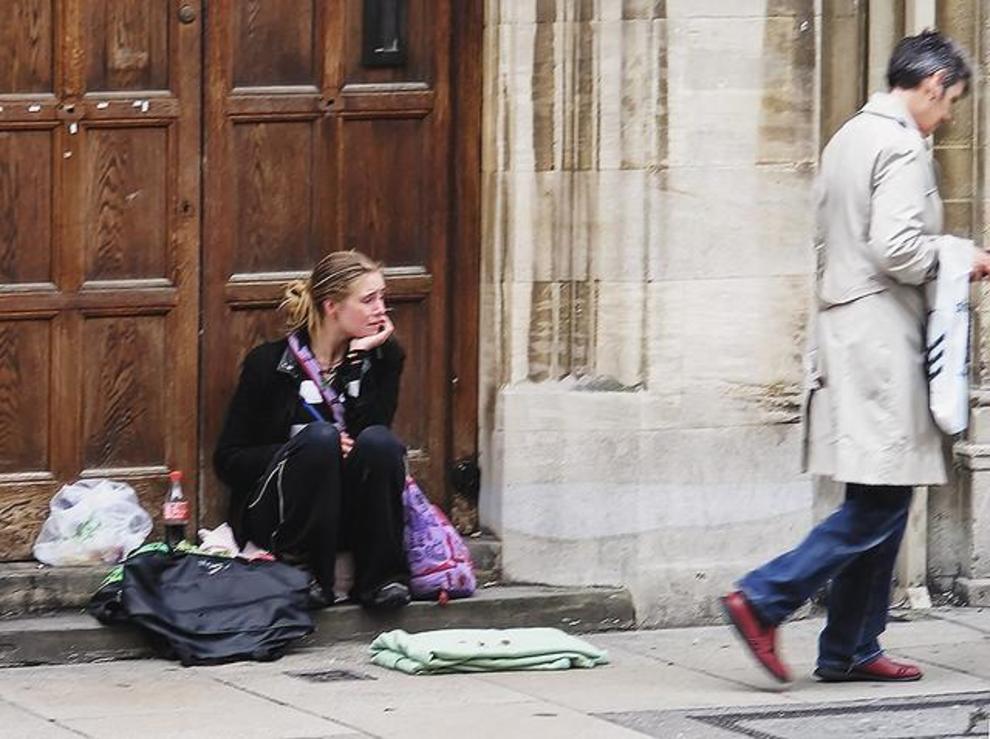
point(362, 312)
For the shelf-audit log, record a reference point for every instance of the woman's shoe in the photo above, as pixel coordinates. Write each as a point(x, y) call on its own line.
point(879, 669)
point(388, 597)
point(316, 598)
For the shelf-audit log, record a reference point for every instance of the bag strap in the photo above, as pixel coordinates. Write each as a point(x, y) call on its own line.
point(307, 362)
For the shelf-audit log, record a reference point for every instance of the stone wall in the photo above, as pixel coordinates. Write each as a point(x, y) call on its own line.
point(646, 266)
point(959, 521)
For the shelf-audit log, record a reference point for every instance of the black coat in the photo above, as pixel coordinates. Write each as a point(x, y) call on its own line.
point(266, 404)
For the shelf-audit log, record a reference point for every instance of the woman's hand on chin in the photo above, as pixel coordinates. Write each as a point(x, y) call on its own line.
point(372, 341)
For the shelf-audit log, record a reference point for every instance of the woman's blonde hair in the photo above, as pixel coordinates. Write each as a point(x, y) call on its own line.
point(332, 278)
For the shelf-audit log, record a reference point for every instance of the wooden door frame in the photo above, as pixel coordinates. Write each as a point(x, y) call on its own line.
point(464, 252)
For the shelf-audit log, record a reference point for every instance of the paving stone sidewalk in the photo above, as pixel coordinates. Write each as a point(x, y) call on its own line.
point(671, 683)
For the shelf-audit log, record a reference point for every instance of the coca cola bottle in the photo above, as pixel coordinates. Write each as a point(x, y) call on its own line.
point(175, 512)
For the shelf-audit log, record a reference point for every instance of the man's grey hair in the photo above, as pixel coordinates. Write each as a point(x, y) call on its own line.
point(916, 58)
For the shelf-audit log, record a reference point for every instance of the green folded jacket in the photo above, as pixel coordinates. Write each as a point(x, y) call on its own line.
point(483, 650)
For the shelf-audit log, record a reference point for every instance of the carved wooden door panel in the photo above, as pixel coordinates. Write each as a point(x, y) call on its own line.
point(391, 180)
point(328, 127)
point(99, 249)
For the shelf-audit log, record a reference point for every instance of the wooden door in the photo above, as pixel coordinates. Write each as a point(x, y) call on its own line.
point(99, 249)
point(328, 126)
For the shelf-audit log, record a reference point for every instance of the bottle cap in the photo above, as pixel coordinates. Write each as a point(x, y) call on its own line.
point(175, 476)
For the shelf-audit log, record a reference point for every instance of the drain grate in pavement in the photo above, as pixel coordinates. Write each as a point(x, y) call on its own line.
point(937, 717)
point(330, 676)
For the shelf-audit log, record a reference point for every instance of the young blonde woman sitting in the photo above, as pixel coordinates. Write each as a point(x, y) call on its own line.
point(306, 448)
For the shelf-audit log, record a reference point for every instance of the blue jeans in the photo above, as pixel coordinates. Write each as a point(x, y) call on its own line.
point(855, 548)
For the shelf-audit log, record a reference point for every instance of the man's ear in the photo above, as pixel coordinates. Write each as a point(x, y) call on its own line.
point(936, 84)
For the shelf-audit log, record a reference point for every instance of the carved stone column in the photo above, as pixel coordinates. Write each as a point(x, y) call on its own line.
point(886, 28)
point(960, 519)
point(844, 58)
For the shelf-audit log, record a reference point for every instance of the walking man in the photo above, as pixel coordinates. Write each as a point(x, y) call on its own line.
point(867, 422)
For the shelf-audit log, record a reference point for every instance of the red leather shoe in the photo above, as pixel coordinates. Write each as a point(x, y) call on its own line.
point(761, 640)
point(880, 669)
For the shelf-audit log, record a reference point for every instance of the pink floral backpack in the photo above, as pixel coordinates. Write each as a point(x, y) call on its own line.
point(439, 562)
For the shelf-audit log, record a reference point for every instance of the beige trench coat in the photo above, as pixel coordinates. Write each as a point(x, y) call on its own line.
point(879, 218)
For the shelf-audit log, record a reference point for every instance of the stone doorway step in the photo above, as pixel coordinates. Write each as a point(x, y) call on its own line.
point(44, 622)
point(31, 587)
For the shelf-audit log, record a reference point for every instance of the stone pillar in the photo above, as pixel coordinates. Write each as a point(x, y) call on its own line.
point(574, 151)
point(960, 519)
point(857, 39)
point(920, 14)
point(886, 28)
point(646, 275)
point(843, 61)
point(954, 142)
point(845, 44)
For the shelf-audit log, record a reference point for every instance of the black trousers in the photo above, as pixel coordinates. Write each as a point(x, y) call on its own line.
point(312, 503)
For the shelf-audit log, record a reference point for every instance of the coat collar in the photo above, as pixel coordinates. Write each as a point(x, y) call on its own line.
point(288, 365)
point(886, 105)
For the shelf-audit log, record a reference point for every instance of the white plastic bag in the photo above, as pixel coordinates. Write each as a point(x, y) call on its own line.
point(92, 521)
point(947, 356)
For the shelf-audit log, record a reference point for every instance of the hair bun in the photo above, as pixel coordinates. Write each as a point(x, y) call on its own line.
point(297, 303)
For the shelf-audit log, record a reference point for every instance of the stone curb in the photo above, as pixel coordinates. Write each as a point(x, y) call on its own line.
point(76, 637)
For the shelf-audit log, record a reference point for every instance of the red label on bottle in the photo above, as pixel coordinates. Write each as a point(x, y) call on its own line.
point(176, 511)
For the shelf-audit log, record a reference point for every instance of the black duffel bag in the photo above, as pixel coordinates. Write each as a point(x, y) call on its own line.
point(203, 609)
